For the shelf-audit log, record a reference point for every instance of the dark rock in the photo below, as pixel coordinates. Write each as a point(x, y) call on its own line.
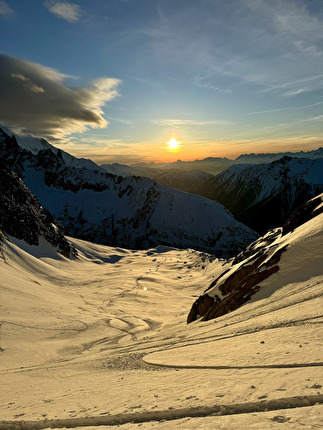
point(200, 307)
point(241, 285)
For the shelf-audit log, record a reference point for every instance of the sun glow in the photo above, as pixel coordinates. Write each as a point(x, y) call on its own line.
point(173, 144)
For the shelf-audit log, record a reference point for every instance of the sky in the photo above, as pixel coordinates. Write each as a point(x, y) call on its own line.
point(116, 80)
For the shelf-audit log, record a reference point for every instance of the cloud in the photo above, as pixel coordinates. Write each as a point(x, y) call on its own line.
point(69, 11)
point(122, 121)
point(313, 118)
point(272, 46)
point(35, 100)
point(284, 109)
point(187, 122)
point(5, 9)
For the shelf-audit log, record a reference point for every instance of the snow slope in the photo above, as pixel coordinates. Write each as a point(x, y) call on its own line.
point(102, 341)
point(249, 272)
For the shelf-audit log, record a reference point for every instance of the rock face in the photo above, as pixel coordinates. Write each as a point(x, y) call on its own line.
point(22, 216)
point(238, 283)
point(264, 196)
point(129, 212)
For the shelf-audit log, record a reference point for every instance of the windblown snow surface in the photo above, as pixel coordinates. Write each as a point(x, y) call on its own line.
point(101, 341)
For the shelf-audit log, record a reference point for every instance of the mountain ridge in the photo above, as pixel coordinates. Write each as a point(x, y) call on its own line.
point(131, 212)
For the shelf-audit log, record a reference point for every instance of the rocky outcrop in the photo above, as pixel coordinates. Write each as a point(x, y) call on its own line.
point(238, 283)
point(22, 216)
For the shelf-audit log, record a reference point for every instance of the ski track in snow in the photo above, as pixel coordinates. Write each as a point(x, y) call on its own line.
point(168, 415)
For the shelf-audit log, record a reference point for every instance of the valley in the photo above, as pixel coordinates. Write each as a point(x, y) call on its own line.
point(102, 340)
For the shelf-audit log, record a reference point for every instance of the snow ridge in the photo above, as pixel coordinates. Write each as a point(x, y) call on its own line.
point(244, 278)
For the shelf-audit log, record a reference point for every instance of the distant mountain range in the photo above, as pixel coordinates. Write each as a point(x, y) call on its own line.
point(128, 212)
point(211, 165)
point(196, 176)
point(269, 157)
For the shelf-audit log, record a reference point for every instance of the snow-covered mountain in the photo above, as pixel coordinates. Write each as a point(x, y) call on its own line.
point(34, 145)
point(22, 216)
point(263, 196)
point(251, 273)
point(130, 212)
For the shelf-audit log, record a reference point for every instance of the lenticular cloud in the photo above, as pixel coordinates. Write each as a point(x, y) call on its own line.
point(36, 100)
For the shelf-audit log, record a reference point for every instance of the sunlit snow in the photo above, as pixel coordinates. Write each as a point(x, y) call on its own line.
point(102, 339)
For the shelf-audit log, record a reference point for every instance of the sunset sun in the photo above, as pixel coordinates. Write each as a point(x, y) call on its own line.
point(173, 144)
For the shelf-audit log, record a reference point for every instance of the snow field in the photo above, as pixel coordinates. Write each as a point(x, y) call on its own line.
point(105, 336)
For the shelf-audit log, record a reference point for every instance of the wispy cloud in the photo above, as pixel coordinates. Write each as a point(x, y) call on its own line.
point(313, 118)
point(69, 11)
point(284, 109)
point(35, 99)
point(187, 122)
point(275, 46)
point(5, 9)
point(122, 121)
